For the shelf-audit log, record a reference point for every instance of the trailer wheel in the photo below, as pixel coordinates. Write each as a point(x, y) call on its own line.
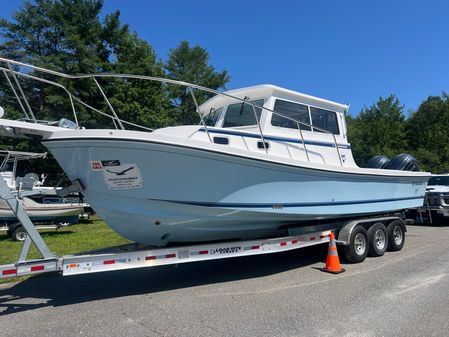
point(357, 250)
point(19, 234)
point(396, 236)
point(378, 239)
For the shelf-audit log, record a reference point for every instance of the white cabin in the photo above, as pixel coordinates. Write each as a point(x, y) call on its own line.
point(233, 124)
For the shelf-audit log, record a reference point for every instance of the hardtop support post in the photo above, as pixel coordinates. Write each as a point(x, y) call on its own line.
point(22, 93)
point(17, 96)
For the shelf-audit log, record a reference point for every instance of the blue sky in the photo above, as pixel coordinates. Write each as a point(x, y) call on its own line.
point(347, 51)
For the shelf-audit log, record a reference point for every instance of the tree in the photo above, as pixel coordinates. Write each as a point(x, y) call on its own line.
point(191, 64)
point(428, 133)
point(68, 36)
point(379, 129)
point(144, 102)
point(63, 35)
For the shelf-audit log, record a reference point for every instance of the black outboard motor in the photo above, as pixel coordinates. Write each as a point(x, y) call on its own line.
point(404, 162)
point(378, 162)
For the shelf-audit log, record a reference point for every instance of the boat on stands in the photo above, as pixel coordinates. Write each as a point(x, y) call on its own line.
point(42, 203)
point(263, 159)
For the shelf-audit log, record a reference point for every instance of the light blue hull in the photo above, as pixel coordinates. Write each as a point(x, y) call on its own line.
point(189, 195)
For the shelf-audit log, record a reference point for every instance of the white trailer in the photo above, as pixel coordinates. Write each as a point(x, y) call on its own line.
point(358, 238)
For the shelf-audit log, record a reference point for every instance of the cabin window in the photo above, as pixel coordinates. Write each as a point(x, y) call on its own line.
point(296, 111)
point(241, 114)
point(211, 118)
point(324, 119)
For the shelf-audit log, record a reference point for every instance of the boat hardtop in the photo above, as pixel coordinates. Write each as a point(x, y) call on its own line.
point(270, 90)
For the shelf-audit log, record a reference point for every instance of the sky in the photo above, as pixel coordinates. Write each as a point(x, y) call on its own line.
point(347, 51)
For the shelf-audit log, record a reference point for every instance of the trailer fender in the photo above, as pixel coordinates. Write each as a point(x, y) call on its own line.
point(345, 233)
point(12, 227)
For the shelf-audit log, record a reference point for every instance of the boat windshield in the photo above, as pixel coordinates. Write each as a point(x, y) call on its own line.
point(439, 181)
point(241, 114)
point(211, 118)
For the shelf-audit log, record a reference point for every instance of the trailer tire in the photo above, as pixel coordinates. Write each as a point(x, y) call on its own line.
point(19, 234)
point(357, 249)
point(378, 239)
point(396, 235)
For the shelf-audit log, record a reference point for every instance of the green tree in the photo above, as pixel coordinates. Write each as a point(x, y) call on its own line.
point(379, 129)
point(191, 64)
point(63, 35)
point(144, 102)
point(428, 133)
point(68, 36)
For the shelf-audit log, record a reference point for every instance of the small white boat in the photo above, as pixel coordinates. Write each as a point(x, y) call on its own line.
point(262, 160)
point(44, 206)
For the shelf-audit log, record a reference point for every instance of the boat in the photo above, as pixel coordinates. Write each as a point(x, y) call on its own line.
point(42, 204)
point(263, 159)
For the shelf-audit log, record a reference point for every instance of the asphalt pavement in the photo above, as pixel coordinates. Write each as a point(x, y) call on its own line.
point(403, 293)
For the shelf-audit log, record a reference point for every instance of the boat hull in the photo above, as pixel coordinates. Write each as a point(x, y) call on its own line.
point(157, 193)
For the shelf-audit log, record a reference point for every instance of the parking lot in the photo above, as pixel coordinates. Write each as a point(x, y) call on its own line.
point(400, 294)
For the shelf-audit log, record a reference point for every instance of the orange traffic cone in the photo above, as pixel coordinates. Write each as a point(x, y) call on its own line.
point(332, 262)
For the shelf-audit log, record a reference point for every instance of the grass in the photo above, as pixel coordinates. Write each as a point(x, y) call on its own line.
point(89, 235)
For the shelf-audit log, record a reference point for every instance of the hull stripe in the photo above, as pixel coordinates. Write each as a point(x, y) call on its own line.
point(280, 205)
point(275, 138)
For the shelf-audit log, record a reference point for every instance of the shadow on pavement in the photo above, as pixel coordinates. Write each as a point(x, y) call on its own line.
point(55, 290)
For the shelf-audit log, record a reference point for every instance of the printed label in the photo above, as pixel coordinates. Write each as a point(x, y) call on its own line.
point(123, 176)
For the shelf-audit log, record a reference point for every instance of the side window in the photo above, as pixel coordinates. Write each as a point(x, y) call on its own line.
point(324, 119)
point(211, 118)
point(241, 114)
point(296, 111)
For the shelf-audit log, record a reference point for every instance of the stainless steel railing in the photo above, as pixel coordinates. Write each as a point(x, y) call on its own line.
point(120, 123)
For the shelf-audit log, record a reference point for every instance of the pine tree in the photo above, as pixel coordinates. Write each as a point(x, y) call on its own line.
point(191, 64)
point(68, 36)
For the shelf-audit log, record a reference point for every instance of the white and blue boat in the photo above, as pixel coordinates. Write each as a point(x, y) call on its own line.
point(43, 205)
point(262, 159)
